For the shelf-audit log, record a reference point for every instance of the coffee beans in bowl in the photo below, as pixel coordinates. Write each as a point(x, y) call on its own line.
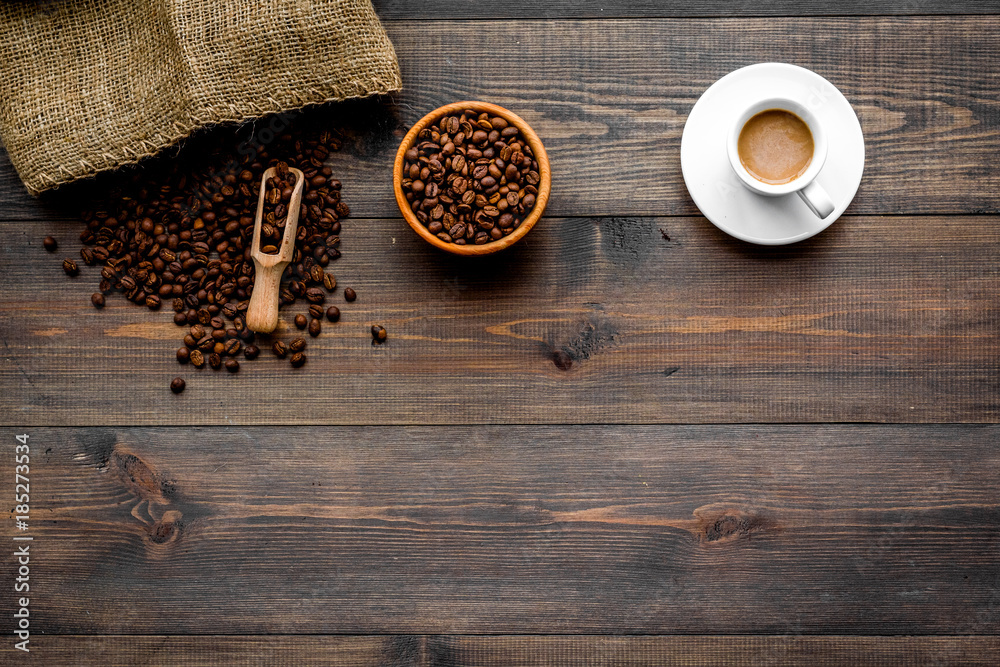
point(471, 178)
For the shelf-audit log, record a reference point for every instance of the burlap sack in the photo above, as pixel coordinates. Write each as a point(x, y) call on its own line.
point(89, 85)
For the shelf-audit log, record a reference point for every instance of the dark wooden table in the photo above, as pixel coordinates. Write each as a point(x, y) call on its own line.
point(757, 455)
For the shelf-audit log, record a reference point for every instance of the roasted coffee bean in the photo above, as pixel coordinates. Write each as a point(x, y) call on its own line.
point(314, 328)
point(454, 178)
point(298, 359)
point(329, 282)
point(215, 361)
point(50, 243)
point(315, 295)
point(177, 385)
point(198, 332)
point(232, 365)
point(333, 313)
point(279, 349)
point(251, 352)
point(183, 236)
point(183, 355)
point(97, 299)
point(315, 311)
point(349, 294)
point(300, 321)
point(197, 358)
point(70, 267)
point(297, 345)
point(379, 334)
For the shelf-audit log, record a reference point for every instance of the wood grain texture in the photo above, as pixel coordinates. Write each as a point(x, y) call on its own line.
point(213, 650)
point(659, 651)
point(609, 98)
point(562, 9)
point(520, 529)
point(587, 320)
point(472, 651)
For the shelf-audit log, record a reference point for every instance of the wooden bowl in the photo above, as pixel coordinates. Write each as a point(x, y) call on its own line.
point(541, 199)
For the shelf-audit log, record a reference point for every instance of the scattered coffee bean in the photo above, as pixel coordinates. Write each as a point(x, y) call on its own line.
point(279, 349)
point(315, 311)
point(333, 313)
point(50, 243)
point(183, 355)
point(315, 295)
point(470, 178)
point(315, 328)
point(177, 385)
point(233, 346)
point(297, 345)
point(300, 321)
point(379, 334)
point(298, 359)
point(215, 361)
point(350, 294)
point(97, 299)
point(232, 365)
point(179, 231)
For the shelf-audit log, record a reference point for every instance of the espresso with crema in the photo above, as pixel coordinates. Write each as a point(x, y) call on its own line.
point(775, 146)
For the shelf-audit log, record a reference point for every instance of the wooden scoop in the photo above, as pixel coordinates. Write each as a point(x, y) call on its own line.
point(262, 313)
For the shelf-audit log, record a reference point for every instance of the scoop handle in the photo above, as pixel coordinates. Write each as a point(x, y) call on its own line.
point(262, 313)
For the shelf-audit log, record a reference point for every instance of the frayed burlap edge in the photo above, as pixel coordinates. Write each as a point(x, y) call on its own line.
point(40, 181)
point(92, 85)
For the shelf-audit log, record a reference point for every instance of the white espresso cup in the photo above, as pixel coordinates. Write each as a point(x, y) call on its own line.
point(811, 192)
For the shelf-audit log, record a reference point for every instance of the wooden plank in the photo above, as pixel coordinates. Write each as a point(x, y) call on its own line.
point(445, 651)
point(210, 651)
point(390, 10)
point(601, 320)
point(658, 651)
point(519, 529)
point(610, 99)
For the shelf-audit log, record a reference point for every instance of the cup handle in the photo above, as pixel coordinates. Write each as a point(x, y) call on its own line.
point(817, 199)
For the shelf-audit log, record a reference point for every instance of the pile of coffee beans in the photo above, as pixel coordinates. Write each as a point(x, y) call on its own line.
point(275, 214)
point(181, 231)
point(470, 178)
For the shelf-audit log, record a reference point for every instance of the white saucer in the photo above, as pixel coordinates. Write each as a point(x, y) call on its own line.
point(717, 191)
